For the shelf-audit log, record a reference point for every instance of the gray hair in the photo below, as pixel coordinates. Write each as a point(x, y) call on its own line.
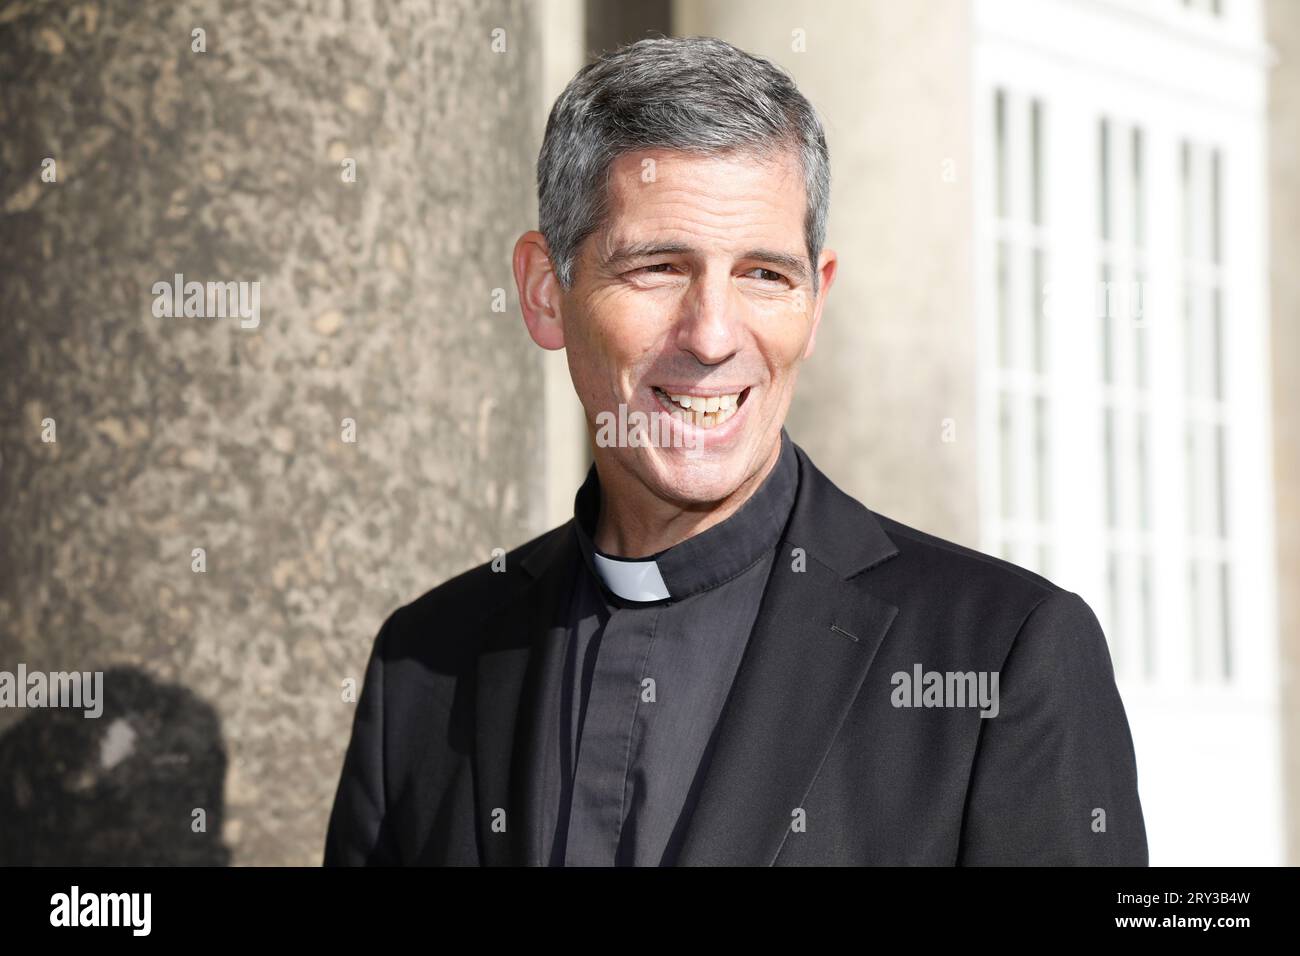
point(697, 94)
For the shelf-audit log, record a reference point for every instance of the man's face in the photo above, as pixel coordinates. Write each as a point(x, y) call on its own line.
point(697, 291)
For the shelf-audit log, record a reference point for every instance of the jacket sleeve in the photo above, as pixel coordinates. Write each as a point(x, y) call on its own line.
point(355, 836)
point(1054, 780)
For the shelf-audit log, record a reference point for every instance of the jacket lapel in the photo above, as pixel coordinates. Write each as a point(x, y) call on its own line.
point(815, 638)
point(817, 633)
point(519, 662)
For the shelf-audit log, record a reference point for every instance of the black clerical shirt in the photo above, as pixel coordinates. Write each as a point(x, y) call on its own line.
point(653, 646)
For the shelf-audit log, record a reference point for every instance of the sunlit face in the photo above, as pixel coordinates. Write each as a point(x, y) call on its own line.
point(694, 303)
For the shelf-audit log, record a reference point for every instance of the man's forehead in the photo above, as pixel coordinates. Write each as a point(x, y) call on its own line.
point(637, 169)
point(634, 222)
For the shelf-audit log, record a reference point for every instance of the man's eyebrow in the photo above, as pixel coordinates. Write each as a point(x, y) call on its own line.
point(645, 250)
point(796, 265)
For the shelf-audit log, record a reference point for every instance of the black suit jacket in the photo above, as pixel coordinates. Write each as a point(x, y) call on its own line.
point(813, 763)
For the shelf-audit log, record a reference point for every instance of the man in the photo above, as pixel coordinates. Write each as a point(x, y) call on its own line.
point(722, 658)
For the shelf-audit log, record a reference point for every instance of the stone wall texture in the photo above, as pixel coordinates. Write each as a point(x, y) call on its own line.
point(1283, 20)
point(224, 686)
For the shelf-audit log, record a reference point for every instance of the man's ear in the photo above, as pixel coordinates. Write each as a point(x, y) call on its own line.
point(539, 290)
point(826, 267)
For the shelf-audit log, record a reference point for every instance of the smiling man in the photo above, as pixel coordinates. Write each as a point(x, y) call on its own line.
point(722, 658)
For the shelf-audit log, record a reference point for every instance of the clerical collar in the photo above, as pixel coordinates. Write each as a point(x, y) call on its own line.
point(702, 561)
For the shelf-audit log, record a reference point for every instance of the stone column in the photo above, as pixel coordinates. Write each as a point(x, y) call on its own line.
point(222, 509)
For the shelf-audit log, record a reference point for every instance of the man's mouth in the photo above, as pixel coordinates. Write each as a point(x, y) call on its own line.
point(702, 411)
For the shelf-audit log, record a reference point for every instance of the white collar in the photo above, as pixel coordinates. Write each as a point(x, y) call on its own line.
point(632, 580)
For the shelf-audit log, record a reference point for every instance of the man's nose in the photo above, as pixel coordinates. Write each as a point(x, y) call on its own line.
point(709, 324)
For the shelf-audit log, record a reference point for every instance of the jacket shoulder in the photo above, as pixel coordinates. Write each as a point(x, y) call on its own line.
point(981, 601)
point(458, 605)
point(931, 569)
point(906, 564)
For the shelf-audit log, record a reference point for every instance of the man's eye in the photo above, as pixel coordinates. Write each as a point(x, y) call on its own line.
point(657, 267)
point(767, 275)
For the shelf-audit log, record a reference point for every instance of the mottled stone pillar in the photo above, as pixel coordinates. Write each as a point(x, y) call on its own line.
point(367, 426)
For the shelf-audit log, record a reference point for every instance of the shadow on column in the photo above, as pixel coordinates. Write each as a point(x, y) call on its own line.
point(120, 789)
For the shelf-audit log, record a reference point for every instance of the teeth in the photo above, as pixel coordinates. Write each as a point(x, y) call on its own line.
point(703, 411)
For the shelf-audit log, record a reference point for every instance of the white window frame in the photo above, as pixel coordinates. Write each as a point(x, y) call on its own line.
point(1209, 747)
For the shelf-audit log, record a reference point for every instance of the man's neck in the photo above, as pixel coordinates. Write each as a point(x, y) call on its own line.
point(635, 523)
